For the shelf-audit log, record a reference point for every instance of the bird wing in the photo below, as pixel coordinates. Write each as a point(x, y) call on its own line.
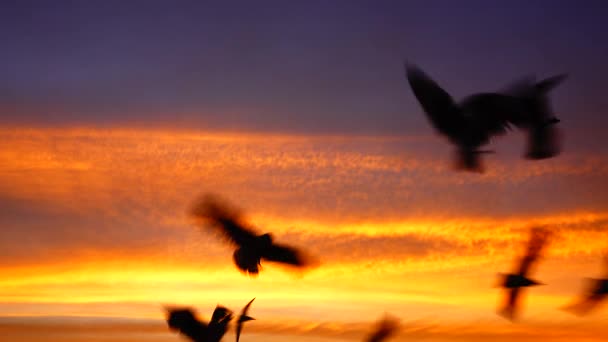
point(538, 240)
point(239, 327)
point(223, 218)
point(221, 314)
point(590, 298)
point(436, 102)
point(522, 87)
point(285, 254)
point(246, 308)
point(510, 307)
point(549, 83)
point(239, 323)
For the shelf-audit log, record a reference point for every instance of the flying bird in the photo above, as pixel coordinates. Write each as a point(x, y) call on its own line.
point(595, 293)
point(384, 329)
point(478, 118)
point(185, 321)
point(514, 282)
point(242, 319)
point(251, 248)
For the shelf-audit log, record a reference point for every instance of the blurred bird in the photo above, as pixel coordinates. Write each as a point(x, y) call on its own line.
point(595, 293)
point(515, 281)
point(479, 117)
point(385, 328)
point(184, 320)
point(251, 248)
point(242, 319)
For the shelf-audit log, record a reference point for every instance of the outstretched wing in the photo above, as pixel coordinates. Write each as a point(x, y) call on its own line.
point(595, 292)
point(221, 314)
point(436, 103)
point(285, 254)
point(246, 308)
point(549, 83)
point(243, 318)
point(538, 239)
point(223, 218)
point(511, 304)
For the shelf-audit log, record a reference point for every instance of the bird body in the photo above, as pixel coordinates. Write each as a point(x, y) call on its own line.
point(251, 247)
point(471, 123)
point(518, 280)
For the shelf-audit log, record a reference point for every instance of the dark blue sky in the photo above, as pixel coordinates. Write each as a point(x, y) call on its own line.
point(287, 66)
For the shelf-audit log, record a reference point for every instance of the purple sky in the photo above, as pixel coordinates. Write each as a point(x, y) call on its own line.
point(309, 66)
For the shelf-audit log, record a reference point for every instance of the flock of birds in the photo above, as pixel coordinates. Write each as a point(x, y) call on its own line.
point(468, 125)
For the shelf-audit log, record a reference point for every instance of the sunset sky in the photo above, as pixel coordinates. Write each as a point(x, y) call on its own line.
point(116, 115)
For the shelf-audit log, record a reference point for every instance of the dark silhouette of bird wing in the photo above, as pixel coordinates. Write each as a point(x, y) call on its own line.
point(551, 82)
point(221, 314)
point(224, 219)
point(538, 239)
point(186, 322)
point(510, 306)
point(243, 318)
point(384, 329)
point(436, 103)
point(246, 308)
point(285, 254)
point(591, 297)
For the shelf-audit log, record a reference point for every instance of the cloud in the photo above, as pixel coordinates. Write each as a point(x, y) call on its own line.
point(99, 215)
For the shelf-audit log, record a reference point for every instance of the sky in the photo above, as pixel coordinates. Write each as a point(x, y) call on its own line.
point(115, 116)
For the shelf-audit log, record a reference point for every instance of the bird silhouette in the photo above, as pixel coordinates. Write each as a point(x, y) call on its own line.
point(514, 282)
point(250, 247)
point(185, 321)
point(471, 123)
point(384, 328)
point(595, 292)
point(242, 319)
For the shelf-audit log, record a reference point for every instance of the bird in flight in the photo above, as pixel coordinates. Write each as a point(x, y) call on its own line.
point(385, 328)
point(471, 124)
point(186, 322)
point(595, 293)
point(242, 319)
point(513, 282)
point(251, 247)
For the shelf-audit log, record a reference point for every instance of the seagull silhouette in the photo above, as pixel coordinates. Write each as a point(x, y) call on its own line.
point(513, 282)
point(242, 319)
point(384, 328)
point(595, 293)
point(185, 321)
point(250, 247)
point(471, 123)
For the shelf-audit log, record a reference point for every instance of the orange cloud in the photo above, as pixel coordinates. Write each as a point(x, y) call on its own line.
point(99, 216)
